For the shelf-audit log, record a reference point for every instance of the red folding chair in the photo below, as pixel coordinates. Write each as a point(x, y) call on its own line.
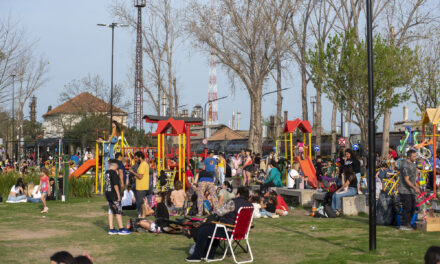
point(240, 232)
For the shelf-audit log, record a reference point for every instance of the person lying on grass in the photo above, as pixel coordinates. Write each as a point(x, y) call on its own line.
point(112, 187)
point(160, 212)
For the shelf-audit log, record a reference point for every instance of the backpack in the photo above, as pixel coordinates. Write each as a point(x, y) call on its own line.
point(385, 209)
point(329, 211)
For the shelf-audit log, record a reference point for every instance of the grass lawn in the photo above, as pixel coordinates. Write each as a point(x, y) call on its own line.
point(80, 226)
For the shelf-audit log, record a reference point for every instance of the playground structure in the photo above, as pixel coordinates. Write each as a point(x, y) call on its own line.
point(432, 117)
point(305, 161)
point(179, 127)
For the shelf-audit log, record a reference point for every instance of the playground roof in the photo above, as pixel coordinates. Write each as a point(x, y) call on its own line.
point(432, 116)
point(291, 126)
point(83, 102)
point(188, 120)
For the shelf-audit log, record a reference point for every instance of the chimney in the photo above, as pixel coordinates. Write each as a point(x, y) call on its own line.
point(285, 116)
point(405, 113)
point(238, 119)
point(233, 120)
point(49, 108)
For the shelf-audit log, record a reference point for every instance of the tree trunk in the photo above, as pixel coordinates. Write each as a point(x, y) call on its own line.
point(279, 102)
point(386, 132)
point(334, 112)
point(304, 93)
point(176, 98)
point(255, 126)
point(318, 116)
point(159, 101)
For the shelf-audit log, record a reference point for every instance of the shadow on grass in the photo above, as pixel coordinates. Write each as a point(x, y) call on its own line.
point(101, 224)
point(317, 238)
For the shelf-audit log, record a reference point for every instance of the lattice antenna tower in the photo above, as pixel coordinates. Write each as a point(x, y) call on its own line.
point(138, 81)
point(212, 89)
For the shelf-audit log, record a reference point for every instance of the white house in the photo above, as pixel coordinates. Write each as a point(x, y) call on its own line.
point(71, 112)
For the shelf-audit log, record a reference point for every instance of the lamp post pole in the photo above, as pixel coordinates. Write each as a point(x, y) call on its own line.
point(112, 26)
point(14, 146)
point(371, 133)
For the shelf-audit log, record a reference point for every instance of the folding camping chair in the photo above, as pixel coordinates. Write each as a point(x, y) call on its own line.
point(240, 231)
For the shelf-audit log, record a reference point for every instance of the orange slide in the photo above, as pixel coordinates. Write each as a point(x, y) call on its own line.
point(308, 170)
point(84, 168)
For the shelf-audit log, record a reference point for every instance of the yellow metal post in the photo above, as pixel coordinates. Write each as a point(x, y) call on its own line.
point(97, 167)
point(184, 161)
point(310, 145)
point(122, 145)
point(180, 157)
point(163, 151)
point(285, 145)
point(158, 154)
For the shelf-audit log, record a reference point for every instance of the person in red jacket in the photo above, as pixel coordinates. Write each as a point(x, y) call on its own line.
point(281, 208)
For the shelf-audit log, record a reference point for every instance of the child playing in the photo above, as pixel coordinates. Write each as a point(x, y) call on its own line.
point(112, 187)
point(44, 188)
point(178, 198)
point(160, 212)
point(319, 172)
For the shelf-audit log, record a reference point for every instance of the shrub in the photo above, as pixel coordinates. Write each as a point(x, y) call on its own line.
point(80, 187)
point(8, 179)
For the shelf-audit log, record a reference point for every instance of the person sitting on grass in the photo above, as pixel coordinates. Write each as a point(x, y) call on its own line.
point(160, 212)
point(178, 198)
point(52, 189)
point(348, 188)
point(34, 196)
point(44, 188)
point(17, 193)
point(281, 206)
point(225, 193)
point(128, 201)
point(111, 188)
point(255, 200)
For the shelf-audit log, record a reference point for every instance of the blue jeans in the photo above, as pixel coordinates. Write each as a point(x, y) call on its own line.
point(33, 200)
point(337, 197)
point(16, 198)
point(264, 212)
point(109, 151)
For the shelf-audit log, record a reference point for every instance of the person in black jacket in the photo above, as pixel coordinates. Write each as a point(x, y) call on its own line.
point(350, 161)
point(227, 214)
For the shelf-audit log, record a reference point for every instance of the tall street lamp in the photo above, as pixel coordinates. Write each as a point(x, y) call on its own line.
point(371, 133)
point(14, 146)
point(205, 114)
point(112, 26)
point(313, 102)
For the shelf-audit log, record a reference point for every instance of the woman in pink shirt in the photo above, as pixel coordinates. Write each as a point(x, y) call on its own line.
point(44, 188)
point(178, 197)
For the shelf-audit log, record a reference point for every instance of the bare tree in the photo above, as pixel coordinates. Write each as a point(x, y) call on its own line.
point(407, 21)
point(95, 85)
point(299, 26)
point(241, 36)
point(161, 37)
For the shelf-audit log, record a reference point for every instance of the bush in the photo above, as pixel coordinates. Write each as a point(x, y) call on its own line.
point(8, 179)
point(80, 187)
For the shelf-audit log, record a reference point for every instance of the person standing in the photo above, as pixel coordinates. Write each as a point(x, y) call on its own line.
point(221, 169)
point(408, 188)
point(210, 164)
point(44, 188)
point(113, 196)
point(121, 170)
point(142, 176)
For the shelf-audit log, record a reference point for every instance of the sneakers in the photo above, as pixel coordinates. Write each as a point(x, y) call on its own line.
point(45, 210)
point(405, 228)
point(192, 259)
point(113, 232)
point(22, 201)
point(124, 232)
point(275, 216)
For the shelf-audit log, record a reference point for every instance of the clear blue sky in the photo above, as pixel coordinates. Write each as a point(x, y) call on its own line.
point(75, 46)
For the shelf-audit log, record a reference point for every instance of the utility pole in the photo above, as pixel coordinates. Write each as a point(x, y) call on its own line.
point(138, 85)
point(14, 141)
